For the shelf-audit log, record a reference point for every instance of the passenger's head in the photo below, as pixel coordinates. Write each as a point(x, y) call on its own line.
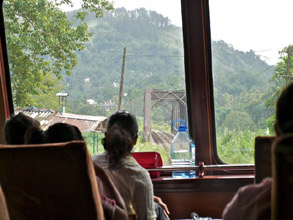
point(35, 135)
point(284, 111)
point(126, 121)
point(16, 126)
point(120, 137)
point(62, 132)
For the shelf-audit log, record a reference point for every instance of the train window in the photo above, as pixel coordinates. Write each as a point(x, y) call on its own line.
point(64, 60)
point(248, 71)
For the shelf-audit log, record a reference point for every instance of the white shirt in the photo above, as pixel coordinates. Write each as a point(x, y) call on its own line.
point(134, 185)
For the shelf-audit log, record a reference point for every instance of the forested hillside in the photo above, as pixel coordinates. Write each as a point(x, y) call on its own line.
point(154, 59)
point(241, 82)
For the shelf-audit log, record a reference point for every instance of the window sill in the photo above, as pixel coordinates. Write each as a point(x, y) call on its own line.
point(209, 170)
point(211, 183)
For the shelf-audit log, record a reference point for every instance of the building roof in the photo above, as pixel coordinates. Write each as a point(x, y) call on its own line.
point(42, 115)
point(47, 117)
point(85, 123)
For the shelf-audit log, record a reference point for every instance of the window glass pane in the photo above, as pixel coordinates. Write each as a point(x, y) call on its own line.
point(248, 70)
point(64, 60)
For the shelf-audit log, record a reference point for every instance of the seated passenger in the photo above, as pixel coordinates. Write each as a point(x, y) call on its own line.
point(254, 201)
point(16, 126)
point(133, 181)
point(35, 135)
point(114, 208)
point(63, 132)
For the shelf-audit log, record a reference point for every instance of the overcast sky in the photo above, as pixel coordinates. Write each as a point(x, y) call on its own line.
point(260, 25)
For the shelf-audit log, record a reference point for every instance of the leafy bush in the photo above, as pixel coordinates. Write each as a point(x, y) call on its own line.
point(237, 147)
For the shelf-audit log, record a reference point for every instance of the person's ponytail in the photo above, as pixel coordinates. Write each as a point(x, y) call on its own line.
point(118, 144)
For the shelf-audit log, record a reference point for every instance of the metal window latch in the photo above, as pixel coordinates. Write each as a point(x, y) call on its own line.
point(201, 171)
point(194, 216)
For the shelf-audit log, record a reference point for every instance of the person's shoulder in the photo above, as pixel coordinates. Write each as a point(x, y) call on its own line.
point(254, 188)
point(132, 166)
point(252, 195)
point(250, 201)
point(266, 182)
point(131, 163)
point(100, 159)
point(101, 155)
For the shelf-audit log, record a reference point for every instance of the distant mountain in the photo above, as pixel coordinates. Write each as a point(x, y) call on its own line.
point(238, 70)
point(154, 59)
point(241, 87)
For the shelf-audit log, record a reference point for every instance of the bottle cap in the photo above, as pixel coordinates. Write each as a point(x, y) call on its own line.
point(182, 128)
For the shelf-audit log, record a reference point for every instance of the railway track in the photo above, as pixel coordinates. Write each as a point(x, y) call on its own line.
point(162, 138)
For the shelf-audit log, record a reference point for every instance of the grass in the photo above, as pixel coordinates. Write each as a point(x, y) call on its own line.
point(93, 142)
point(237, 147)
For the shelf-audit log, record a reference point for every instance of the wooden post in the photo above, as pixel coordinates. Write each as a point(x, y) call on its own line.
point(147, 113)
point(288, 63)
point(94, 143)
point(122, 80)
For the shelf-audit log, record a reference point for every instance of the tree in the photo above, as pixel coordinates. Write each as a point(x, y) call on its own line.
point(283, 75)
point(285, 68)
point(42, 41)
point(237, 121)
point(49, 99)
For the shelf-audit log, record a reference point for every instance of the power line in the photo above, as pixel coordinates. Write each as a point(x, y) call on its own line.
point(149, 55)
point(245, 53)
point(239, 52)
point(264, 70)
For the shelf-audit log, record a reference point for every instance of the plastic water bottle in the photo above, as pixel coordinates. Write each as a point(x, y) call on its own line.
point(182, 152)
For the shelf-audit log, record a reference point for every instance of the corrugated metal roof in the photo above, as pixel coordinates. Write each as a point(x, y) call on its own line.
point(47, 117)
point(85, 123)
point(44, 116)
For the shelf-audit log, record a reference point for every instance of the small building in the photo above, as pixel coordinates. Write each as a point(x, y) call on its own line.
point(85, 123)
point(48, 117)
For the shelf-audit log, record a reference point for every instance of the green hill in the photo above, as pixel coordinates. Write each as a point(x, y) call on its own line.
point(154, 59)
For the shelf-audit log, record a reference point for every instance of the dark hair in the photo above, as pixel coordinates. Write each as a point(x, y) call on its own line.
point(125, 120)
point(284, 111)
point(119, 139)
point(34, 135)
point(63, 132)
point(16, 126)
point(118, 143)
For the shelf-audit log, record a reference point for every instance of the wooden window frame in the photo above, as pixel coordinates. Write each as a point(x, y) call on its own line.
point(6, 102)
point(199, 80)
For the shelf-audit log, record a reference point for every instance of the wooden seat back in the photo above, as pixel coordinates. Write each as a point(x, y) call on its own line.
point(49, 181)
point(263, 157)
point(282, 187)
point(3, 207)
point(132, 217)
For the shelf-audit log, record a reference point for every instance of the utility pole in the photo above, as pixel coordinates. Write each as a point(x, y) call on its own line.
point(122, 80)
point(288, 62)
point(287, 76)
